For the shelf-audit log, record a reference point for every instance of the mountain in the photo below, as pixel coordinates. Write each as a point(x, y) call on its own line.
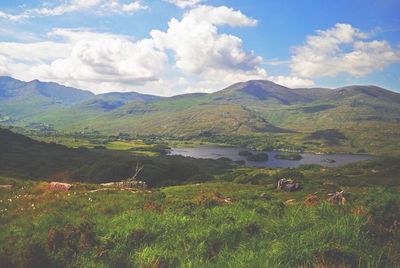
point(114, 100)
point(11, 88)
point(262, 90)
point(22, 101)
point(368, 116)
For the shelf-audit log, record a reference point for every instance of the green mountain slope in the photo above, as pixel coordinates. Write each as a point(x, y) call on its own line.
point(368, 116)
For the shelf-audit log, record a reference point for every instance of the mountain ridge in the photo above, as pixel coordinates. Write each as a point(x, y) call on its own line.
point(234, 85)
point(252, 108)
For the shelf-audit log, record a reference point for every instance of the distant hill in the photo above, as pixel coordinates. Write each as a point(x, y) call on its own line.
point(25, 158)
point(14, 89)
point(262, 90)
point(368, 116)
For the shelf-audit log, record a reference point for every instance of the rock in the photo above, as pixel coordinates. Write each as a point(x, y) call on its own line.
point(265, 196)
point(6, 187)
point(108, 184)
point(288, 185)
point(133, 184)
point(60, 186)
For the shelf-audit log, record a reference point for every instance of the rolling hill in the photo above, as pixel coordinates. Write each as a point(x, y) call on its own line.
point(367, 116)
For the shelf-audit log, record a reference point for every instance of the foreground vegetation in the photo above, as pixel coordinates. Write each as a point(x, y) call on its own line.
point(199, 225)
point(196, 213)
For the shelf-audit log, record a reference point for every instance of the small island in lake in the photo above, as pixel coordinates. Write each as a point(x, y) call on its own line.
point(289, 156)
point(260, 157)
point(245, 153)
point(329, 160)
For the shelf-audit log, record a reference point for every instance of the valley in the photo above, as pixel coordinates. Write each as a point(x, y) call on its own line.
point(211, 164)
point(356, 119)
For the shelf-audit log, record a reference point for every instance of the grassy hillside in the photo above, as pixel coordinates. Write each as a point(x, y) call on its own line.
point(197, 213)
point(194, 226)
point(368, 116)
point(22, 157)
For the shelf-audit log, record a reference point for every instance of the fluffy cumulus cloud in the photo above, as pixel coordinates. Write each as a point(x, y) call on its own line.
point(342, 49)
point(291, 81)
point(86, 59)
point(184, 3)
point(192, 55)
point(99, 6)
point(199, 48)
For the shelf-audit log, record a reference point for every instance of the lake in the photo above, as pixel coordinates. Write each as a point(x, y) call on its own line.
point(215, 152)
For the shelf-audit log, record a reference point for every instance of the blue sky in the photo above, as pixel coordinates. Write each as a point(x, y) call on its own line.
point(170, 47)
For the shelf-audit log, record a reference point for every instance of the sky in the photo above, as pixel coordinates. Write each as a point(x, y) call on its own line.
point(170, 47)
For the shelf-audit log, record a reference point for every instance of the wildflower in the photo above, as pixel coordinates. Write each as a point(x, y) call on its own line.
point(10, 200)
point(33, 205)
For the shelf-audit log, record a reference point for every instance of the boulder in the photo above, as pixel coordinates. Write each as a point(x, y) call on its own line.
point(133, 184)
point(60, 186)
point(108, 184)
point(288, 185)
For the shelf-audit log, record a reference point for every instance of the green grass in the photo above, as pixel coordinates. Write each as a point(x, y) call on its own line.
point(183, 226)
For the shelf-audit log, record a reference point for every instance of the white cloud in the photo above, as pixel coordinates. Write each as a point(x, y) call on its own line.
point(342, 49)
point(199, 48)
point(291, 81)
point(86, 59)
point(11, 17)
point(202, 59)
point(184, 3)
point(131, 7)
point(98, 6)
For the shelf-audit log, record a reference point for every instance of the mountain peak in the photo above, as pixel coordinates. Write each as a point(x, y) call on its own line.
point(264, 90)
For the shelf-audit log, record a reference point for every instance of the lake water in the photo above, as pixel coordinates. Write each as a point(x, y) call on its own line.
point(215, 152)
